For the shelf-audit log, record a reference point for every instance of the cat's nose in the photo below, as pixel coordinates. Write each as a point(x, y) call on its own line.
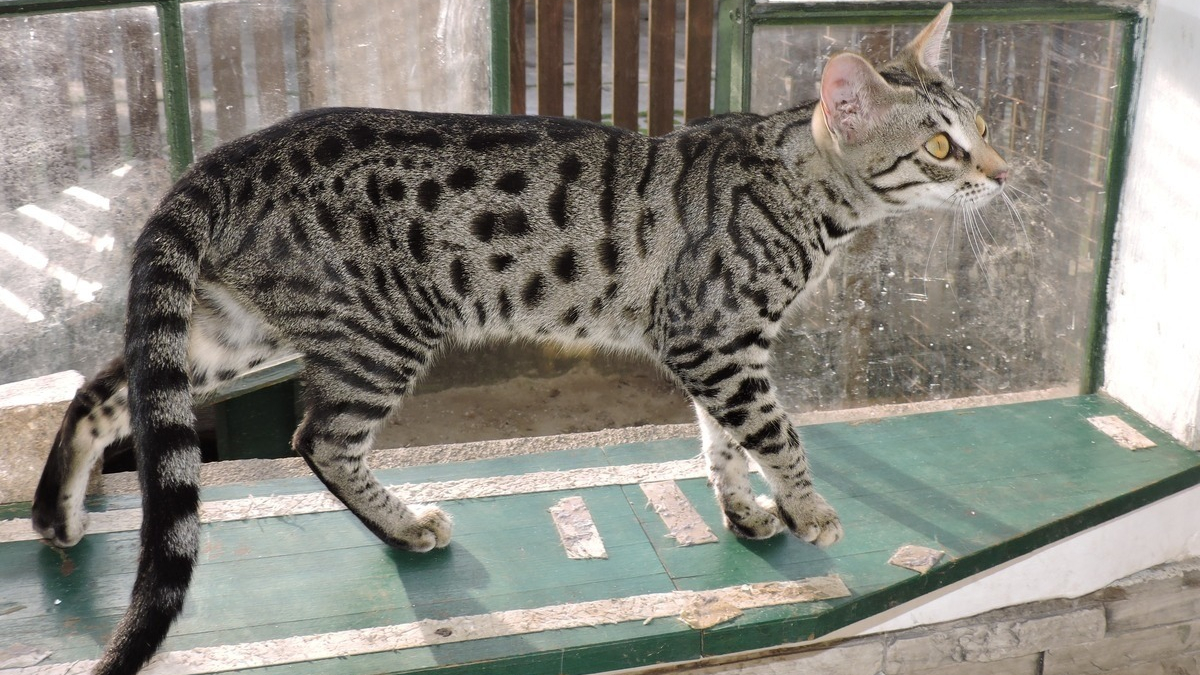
point(1000, 176)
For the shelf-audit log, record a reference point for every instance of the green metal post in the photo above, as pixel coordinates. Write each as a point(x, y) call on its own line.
point(501, 78)
point(175, 92)
point(1122, 129)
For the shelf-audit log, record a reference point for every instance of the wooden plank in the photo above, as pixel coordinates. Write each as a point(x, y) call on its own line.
point(984, 485)
point(52, 99)
point(588, 57)
point(95, 37)
point(312, 73)
point(193, 16)
point(229, 91)
point(661, 115)
point(626, 45)
point(138, 49)
point(267, 21)
point(549, 35)
point(697, 71)
point(516, 56)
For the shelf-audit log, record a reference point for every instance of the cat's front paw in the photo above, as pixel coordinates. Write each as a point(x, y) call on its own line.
point(430, 529)
point(58, 523)
point(811, 518)
point(753, 519)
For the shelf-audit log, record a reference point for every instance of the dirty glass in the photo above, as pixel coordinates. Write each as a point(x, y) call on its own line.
point(251, 63)
point(940, 306)
point(82, 162)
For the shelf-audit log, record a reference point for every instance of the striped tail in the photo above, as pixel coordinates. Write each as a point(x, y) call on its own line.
point(166, 267)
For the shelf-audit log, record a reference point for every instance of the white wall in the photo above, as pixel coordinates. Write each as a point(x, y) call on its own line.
point(1152, 360)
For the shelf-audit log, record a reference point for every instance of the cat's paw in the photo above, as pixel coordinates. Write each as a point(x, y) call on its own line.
point(430, 529)
point(59, 524)
point(810, 518)
point(753, 519)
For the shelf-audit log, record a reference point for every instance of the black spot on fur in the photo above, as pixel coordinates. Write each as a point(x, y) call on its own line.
point(459, 276)
point(505, 305)
point(483, 226)
point(566, 265)
point(570, 168)
point(483, 141)
point(339, 185)
point(534, 290)
point(417, 245)
point(373, 193)
point(513, 182)
point(609, 254)
point(463, 178)
point(270, 171)
point(501, 261)
point(362, 136)
point(394, 190)
point(428, 193)
point(558, 206)
point(329, 150)
point(300, 163)
point(401, 138)
point(570, 317)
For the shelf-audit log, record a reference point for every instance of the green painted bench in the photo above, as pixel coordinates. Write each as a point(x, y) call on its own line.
point(288, 580)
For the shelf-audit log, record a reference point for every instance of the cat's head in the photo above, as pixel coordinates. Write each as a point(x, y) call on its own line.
point(905, 130)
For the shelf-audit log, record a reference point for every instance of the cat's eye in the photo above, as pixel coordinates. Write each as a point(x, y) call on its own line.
point(981, 125)
point(938, 146)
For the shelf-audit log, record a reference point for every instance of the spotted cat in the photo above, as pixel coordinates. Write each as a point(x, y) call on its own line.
point(366, 240)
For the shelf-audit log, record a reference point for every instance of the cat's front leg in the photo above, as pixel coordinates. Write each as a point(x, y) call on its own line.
point(729, 475)
point(734, 389)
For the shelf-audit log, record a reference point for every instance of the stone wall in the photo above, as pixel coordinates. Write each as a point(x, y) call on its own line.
point(1145, 624)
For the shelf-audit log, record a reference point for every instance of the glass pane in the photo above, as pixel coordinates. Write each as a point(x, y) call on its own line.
point(82, 162)
point(253, 62)
point(936, 306)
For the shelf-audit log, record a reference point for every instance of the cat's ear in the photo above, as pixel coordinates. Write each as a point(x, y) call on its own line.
point(926, 50)
point(854, 98)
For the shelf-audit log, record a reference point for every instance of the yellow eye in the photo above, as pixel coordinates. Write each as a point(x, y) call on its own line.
point(981, 126)
point(939, 146)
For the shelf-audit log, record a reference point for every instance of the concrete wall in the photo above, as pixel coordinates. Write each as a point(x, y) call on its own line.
point(1153, 351)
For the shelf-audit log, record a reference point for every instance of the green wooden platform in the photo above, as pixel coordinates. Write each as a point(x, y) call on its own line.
point(984, 485)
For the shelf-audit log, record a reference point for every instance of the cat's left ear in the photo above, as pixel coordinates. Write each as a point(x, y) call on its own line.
point(854, 100)
point(926, 50)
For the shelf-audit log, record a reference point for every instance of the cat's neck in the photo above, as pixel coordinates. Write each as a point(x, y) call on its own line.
point(817, 173)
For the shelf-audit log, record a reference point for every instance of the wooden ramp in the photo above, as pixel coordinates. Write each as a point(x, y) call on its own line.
point(288, 580)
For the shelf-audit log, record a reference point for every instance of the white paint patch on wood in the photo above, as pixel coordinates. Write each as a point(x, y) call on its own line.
point(577, 530)
point(683, 522)
point(229, 658)
point(916, 558)
point(249, 508)
point(1119, 430)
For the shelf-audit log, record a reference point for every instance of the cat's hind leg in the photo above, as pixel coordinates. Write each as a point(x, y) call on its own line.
point(346, 400)
point(96, 418)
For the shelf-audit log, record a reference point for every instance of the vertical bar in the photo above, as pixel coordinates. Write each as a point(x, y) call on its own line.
point(175, 98)
point(661, 116)
point(587, 59)
point(698, 51)
point(729, 50)
point(137, 47)
point(626, 45)
point(550, 57)
point(229, 89)
point(1122, 129)
point(104, 145)
point(311, 76)
point(516, 54)
point(269, 69)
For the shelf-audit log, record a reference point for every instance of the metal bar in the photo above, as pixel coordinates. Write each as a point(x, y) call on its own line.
point(872, 13)
point(501, 63)
point(175, 91)
point(1122, 129)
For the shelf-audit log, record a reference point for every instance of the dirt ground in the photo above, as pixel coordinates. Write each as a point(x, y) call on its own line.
point(585, 397)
